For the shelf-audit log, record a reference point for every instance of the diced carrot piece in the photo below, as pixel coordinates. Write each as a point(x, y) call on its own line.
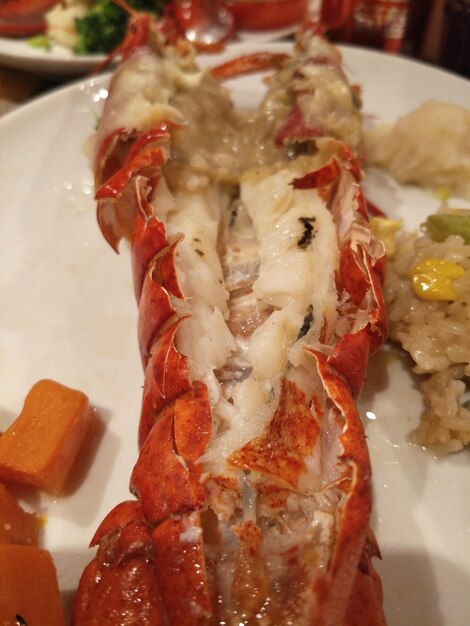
point(16, 525)
point(42, 444)
point(29, 591)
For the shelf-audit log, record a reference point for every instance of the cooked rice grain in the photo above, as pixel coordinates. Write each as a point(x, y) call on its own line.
point(437, 336)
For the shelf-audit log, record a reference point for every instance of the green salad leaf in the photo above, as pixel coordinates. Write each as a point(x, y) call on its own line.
point(40, 41)
point(441, 225)
point(104, 26)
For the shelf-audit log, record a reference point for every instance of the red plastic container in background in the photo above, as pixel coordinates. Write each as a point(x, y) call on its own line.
point(373, 23)
point(267, 14)
point(23, 18)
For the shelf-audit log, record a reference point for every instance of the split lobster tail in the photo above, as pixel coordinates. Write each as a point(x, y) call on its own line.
point(258, 283)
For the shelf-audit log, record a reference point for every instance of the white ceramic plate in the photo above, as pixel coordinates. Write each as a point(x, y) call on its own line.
point(56, 62)
point(68, 312)
point(62, 62)
point(263, 36)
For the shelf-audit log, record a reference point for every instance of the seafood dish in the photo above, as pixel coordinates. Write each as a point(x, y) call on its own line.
point(258, 283)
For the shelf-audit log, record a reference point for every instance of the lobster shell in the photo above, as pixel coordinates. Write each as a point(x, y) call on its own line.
point(276, 530)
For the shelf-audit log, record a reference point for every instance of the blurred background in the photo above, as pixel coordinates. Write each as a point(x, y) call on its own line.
point(436, 32)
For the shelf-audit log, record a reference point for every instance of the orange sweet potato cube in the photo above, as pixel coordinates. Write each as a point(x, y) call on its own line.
point(29, 591)
point(16, 525)
point(42, 444)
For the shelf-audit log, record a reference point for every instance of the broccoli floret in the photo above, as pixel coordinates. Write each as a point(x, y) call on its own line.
point(104, 26)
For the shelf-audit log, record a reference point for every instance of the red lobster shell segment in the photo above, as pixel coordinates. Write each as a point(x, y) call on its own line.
point(258, 283)
point(119, 586)
point(182, 575)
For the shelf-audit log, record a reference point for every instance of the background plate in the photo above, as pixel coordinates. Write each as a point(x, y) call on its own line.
point(57, 62)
